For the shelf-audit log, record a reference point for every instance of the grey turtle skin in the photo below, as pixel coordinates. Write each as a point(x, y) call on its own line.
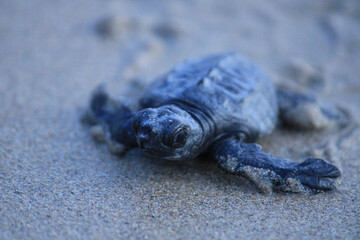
point(219, 105)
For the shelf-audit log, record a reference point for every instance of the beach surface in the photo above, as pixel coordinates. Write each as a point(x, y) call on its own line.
point(57, 183)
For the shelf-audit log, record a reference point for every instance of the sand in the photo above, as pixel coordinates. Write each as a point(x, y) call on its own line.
point(57, 183)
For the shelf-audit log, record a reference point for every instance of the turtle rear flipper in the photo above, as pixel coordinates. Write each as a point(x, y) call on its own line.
point(304, 111)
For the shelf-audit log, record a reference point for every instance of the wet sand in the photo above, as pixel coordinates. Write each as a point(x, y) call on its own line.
point(56, 182)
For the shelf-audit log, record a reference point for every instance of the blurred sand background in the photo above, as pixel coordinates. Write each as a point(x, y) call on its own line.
point(57, 183)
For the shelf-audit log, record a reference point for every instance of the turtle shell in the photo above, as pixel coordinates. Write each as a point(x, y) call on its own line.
point(228, 87)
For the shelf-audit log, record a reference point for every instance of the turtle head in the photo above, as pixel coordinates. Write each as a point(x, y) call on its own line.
point(168, 132)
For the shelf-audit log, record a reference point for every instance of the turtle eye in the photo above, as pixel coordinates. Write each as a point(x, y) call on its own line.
point(181, 137)
point(177, 139)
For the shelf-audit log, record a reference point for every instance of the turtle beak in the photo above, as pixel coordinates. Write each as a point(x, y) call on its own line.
point(142, 139)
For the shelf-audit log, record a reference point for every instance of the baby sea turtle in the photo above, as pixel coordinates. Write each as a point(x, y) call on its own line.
point(219, 105)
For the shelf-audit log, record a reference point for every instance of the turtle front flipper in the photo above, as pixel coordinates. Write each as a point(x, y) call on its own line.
point(111, 122)
point(268, 172)
point(304, 111)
